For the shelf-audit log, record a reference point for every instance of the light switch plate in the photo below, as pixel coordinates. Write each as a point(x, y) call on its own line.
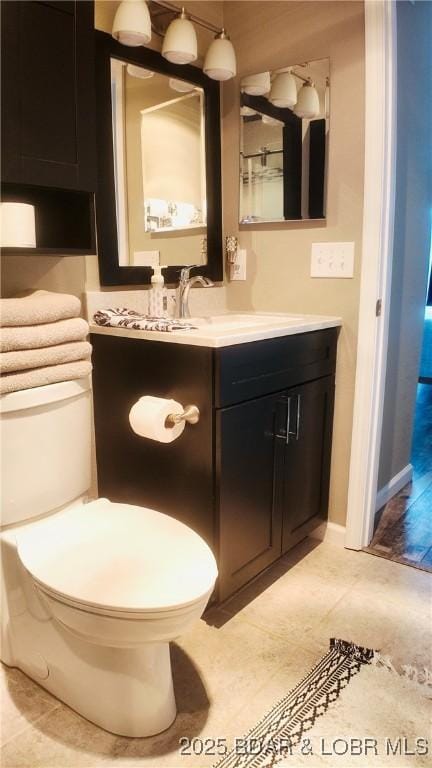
point(332, 260)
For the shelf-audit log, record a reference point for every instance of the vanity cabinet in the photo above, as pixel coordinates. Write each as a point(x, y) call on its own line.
point(252, 476)
point(48, 94)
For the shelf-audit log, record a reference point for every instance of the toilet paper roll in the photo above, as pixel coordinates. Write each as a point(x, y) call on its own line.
point(17, 225)
point(148, 416)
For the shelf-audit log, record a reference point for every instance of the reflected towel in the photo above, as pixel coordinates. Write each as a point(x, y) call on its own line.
point(128, 318)
point(47, 335)
point(38, 307)
point(25, 359)
point(38, 377)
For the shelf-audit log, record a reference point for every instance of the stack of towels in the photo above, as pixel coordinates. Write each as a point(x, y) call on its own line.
point(42, 341)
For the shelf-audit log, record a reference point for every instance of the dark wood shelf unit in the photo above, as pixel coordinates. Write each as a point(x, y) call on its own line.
point(64, 219)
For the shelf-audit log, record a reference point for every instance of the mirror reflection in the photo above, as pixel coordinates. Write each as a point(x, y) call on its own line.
point(284, 118)
point(159, 165)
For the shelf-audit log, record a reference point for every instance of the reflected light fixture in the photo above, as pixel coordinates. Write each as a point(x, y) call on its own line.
point(180, 42)
point(256, 85)
point(283, 92)
point(139, 72)
point(132, 23)
point(268, 120)
point(181, 86)
point(307, 105)
point(220, 61)
point(247, 111)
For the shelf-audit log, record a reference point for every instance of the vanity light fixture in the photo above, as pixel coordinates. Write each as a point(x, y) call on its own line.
point(220, 60)
point(256, 85)
point(180, 44)
point(133, 26)
point(284, 90)
point(132, 23)
point(307, 102)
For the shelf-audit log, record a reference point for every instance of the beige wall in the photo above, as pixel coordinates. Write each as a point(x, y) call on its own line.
point(268, 35)
point(412, 234)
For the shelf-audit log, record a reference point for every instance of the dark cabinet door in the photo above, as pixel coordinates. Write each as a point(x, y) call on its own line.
point(306, 471)
point(249, 459)
point(48, 94)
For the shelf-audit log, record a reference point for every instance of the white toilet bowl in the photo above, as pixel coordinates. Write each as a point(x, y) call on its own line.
point(118, 582)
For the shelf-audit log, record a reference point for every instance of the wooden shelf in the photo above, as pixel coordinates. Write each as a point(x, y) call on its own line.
point(65, 223)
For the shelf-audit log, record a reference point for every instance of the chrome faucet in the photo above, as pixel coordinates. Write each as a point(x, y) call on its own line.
point(185, 284)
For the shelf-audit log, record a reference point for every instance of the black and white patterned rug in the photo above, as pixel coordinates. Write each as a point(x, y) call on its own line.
point(283, 728)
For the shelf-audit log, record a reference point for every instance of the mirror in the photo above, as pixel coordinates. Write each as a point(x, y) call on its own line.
point(158, 200)
point(285, 119)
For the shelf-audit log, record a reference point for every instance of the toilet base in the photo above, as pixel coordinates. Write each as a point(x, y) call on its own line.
point(128, 692)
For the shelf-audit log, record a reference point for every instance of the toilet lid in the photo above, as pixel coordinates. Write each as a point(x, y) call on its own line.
point(118, 556)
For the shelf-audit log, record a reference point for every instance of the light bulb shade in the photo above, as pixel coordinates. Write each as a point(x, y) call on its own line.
point(268, 120)
point(256, 85)
point(247, 111)
point(180, 42)
point(181, 86)
point(308, 102)
point(283, 92)
point(220, 61)
point(139, 72)
point(132, 23)
point(17, 225)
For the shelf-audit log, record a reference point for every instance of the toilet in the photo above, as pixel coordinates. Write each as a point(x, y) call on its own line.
point(92, 591)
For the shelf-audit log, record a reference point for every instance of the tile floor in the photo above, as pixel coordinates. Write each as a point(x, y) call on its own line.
point(232, 667)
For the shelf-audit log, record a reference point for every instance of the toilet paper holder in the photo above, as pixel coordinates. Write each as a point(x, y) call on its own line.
point(190, 414)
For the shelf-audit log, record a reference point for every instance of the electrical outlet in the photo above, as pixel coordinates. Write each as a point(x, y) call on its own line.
point(332, 260)
point(238, 267)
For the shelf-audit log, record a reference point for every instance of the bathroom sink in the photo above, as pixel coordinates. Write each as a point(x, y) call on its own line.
point(230, 328)
point(237, 320)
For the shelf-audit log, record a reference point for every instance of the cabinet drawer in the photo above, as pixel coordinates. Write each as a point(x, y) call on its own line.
point(246, 371)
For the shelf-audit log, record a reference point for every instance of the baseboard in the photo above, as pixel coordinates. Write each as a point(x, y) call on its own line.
point(332, 533)
point(394, 486)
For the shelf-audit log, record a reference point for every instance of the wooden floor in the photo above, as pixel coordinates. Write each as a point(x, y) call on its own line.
point(404, 526)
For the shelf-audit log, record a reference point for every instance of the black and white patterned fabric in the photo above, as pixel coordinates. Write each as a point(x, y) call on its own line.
point(128, 318)
point(297, 712)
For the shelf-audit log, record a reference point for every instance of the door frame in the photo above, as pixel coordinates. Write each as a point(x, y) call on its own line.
point(376, 268)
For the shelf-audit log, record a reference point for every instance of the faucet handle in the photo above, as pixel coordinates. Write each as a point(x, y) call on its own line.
point(185, 272)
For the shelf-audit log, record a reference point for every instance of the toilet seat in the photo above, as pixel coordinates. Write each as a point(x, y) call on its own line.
point(118, 560)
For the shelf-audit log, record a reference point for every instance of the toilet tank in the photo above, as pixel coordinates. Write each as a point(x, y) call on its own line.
point(45, 444)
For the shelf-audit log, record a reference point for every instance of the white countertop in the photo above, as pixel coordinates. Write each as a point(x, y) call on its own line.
point(229, 329)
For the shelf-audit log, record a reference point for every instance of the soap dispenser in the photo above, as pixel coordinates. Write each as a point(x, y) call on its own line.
point(158, 295)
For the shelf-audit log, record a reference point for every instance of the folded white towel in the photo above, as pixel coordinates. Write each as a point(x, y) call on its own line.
point(38, 377)
point(128, 318)
point(38, 307)
point(25, 359)
point(46, 335)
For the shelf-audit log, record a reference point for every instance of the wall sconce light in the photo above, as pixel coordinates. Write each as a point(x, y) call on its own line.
point(256, 85)
point(132, 23)
point(307, 102)
point(180, 42)
point(133, 26)
point(220, 61)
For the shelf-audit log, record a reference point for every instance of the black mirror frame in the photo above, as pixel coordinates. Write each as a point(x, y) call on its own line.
point(110, 272)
